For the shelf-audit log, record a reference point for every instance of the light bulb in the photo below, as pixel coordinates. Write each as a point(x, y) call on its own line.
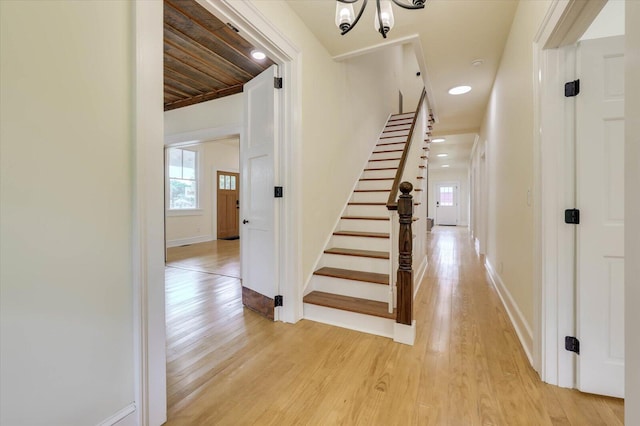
point(386, 14)
point(344, 15)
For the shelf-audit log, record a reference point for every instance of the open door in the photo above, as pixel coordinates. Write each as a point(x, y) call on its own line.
point(600, 198)
point(228, 205)
point(257, 204)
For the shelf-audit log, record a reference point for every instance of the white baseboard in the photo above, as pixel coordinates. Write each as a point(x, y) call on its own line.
point(523, 330)
point(124, 417)
point(190, 240)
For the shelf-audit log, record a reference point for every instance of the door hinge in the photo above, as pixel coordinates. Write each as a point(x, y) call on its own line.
point(572, 88)
point(572, 344)
point(277, 82)
point(572, 216)
point(277, 301)
point(277, 191)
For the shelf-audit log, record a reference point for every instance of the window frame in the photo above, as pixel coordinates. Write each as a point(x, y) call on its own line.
point(191, 211)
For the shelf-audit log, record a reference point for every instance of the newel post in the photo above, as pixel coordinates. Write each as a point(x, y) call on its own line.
point(405, 249)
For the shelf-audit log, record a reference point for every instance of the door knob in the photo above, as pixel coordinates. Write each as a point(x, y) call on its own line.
point(245, 221)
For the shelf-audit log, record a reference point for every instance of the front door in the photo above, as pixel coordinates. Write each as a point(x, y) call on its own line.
point(257, 206)
point(228, 200)
point(446, 204)
point(600, 198)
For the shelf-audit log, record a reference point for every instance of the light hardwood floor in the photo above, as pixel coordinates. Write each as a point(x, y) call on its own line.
point(229, 366)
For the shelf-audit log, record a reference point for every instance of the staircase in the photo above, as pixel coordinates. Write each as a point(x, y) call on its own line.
point(351, 287)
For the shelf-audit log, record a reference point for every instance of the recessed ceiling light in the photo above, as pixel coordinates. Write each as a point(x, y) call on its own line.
point(438, 140)
point(258, 55)
point(443, 155)
point(445, 165)
point(459, 90)
point(477, 62)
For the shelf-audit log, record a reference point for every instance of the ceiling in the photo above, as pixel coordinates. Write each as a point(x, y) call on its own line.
point(453, 34)
point(204, 58)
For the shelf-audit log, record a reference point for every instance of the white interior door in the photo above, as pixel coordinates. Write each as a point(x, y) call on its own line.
point(257, 205)
point(600, 198)
point(446, 203)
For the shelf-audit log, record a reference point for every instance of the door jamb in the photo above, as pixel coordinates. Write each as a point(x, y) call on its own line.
point(148, 199)
point(554, 289)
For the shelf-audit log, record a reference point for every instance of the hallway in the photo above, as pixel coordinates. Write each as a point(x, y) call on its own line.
point(227, 365)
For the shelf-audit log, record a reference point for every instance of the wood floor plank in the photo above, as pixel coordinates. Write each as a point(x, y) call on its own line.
point(229, 366)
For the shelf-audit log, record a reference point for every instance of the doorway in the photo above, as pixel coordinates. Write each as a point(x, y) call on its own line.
point(447, 203)
point(228, 205)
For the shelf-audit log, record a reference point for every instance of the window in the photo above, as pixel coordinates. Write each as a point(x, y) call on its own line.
point(183, 179)
point(446, 196)
point(227, 182)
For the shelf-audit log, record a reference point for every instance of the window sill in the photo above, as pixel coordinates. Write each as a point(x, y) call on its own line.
point(184, 212)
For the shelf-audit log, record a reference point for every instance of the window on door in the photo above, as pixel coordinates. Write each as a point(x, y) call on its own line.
point(227, 182)
point(446, 196)
point(183, 179)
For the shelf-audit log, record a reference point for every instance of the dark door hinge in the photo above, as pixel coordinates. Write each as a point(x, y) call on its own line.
point(277, 301)
point(277, 191)
point(277, 82)
point(571, 88)
point(572, 216)
point(572, 344)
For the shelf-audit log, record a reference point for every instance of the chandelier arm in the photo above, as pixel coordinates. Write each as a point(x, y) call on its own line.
point(364, 4)
point(381, 29)
point(348, 1)
point(406, 6)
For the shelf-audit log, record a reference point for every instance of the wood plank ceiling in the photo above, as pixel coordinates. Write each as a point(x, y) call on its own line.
point(204, 58)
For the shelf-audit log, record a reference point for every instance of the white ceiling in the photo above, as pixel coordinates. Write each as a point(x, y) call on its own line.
point(457, 147)
point(453, 33)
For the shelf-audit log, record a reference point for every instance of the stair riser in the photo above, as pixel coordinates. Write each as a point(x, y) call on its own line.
point(377, 292)
point(399, 125)
point(406, 115)
point(356, 263)
point(380, 164)
point(351, 320)
point(368, 174)
point(370, 197)
point(364, 225)
point(399, 141)
point(384, 155)
point(375, 184)
point(367, 211)
point(402, 133)
point(360, 243)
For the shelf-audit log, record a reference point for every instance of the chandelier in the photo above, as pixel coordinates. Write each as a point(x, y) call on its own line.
point(346, 19)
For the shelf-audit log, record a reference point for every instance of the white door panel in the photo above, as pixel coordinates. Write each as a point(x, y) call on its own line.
point(446, 203)
point(257, 153)
point(600, 198)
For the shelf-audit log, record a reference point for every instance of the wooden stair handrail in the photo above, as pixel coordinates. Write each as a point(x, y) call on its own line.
point(392, 203)
point(404, 312)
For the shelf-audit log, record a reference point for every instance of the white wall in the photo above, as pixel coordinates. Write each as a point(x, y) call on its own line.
point(66, 212)
point(450, 175)
point(508, 131)
point(201, 225)
point(411, 84)
point(218, 113)
point(608, 23)
point(632, 213)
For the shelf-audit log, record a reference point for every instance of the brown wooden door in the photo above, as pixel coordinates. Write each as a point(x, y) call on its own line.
point(228, 185)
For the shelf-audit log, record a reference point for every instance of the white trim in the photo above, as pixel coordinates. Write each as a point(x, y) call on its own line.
point(190, 240)
point(405, 334)
point(148, 217)
point(123, 417)
point(185, 212)
point(522, 328)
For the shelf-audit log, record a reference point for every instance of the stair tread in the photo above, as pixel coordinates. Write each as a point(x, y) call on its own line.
point(376, 178)
point(391, 150)
point(371, 190)
point(366, 204)
point(391, 143)
point(359, 253)
point(351, 304)
point(385, 159)
point(362, 234)
point(366, 217)
point(350, 274)
point(380, 168)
